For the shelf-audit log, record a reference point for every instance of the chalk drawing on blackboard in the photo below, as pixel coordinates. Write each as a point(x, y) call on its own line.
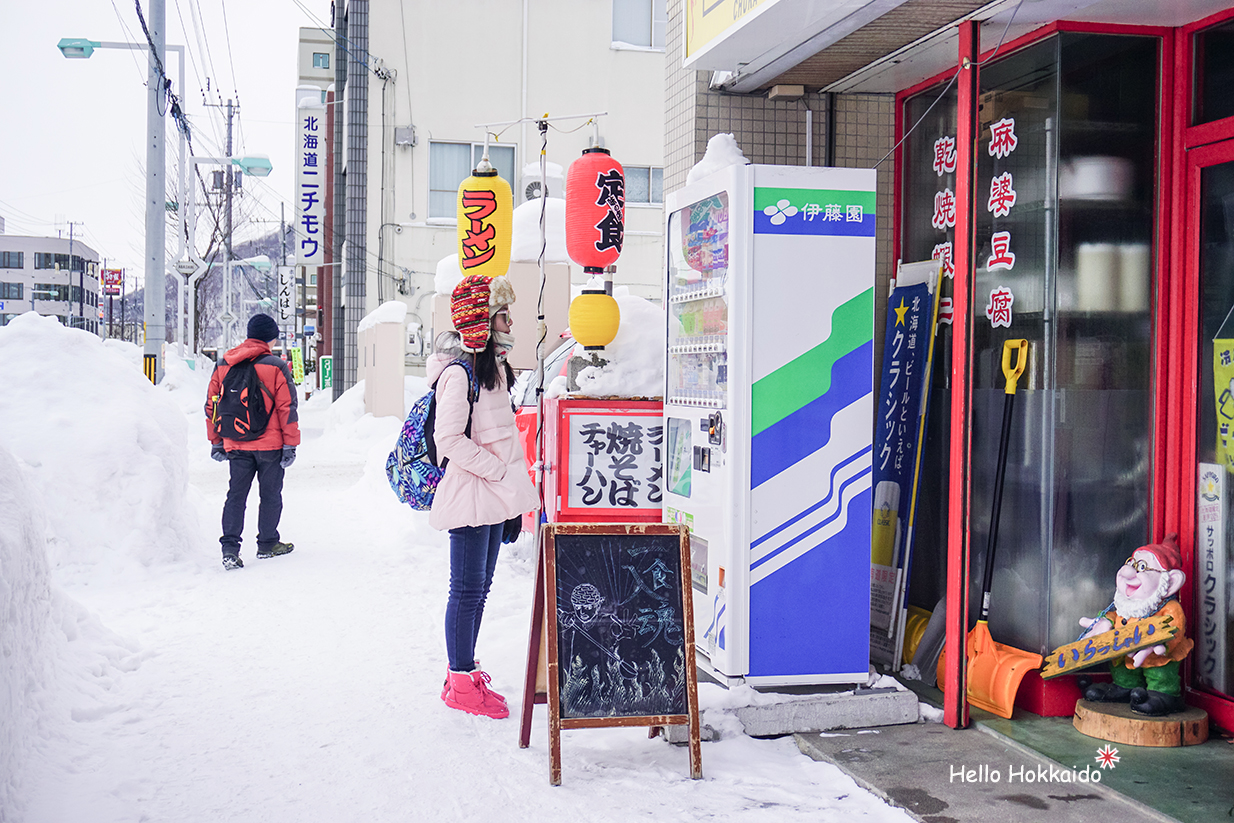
point(620, 630)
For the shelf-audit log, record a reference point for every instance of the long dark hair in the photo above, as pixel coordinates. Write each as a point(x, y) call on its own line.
point(488, 366)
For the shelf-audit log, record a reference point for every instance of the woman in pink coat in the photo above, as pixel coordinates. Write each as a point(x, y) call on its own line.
point(485, 489)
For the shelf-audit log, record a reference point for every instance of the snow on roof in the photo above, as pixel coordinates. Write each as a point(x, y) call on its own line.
point(722, 152)
point(392, 311)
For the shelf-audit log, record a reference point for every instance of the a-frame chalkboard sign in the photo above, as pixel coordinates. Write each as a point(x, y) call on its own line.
point(612, 633)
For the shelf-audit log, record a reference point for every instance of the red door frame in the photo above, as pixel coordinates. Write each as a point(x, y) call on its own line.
point(1195, 148)
point(1167, 338)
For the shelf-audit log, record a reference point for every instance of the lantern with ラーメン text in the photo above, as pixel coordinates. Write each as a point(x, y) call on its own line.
point(595, 210)
point(485, 219)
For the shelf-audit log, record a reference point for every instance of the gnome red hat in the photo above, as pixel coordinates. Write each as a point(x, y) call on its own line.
point(1166, 552)
point(474, 301)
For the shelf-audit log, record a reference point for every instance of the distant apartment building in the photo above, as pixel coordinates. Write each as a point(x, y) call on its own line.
point(53, 276)
point(416, 80)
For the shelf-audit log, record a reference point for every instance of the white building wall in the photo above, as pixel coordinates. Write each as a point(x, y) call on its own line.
point(68, 312)
point(454, 65)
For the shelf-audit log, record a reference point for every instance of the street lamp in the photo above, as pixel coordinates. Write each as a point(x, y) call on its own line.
point(156, 160)
point(257, 165)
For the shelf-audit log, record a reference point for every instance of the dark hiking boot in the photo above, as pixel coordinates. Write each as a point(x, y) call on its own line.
point(1155, 704)
point(275, 550)
point(232, 561)
point(1107, 693)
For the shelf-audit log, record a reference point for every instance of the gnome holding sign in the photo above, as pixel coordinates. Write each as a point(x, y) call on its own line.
point(1146, 586)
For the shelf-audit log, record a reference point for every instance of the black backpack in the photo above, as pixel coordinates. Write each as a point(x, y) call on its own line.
point(241, 412)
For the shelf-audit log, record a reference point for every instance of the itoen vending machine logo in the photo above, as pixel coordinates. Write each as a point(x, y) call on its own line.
point(833, 212)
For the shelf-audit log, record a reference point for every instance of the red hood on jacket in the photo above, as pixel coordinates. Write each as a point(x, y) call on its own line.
point(248, 349)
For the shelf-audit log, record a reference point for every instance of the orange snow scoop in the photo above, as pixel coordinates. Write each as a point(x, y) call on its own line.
point(994, 669)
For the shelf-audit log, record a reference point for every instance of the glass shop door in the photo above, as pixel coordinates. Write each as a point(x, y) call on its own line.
point(1210, 258)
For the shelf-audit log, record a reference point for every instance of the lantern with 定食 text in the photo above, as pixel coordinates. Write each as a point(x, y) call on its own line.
point(595, 210)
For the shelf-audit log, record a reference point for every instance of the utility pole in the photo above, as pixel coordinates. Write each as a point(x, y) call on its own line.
point(156, 196)
point(227, 323)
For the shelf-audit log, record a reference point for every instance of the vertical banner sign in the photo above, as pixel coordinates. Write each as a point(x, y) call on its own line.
point(287, 290)
point(297, 366)
point(898, 432)
point(325, 368)
point(310, 177)
point(1210, 648)
point(1223, 381)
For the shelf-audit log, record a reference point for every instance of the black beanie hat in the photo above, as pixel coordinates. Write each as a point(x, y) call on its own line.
point(262, 327)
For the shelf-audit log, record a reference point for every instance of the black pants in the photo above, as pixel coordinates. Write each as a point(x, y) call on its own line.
point(245, 464)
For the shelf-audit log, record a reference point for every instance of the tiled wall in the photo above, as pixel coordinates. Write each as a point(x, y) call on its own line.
point(774, 131)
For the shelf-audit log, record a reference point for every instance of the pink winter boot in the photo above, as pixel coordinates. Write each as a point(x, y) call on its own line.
point(469, 692)
point(445, 686)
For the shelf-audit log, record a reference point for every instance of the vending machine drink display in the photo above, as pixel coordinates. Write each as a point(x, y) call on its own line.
point(768, 417)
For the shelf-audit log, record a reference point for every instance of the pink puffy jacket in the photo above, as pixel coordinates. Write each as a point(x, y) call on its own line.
point(486, 480)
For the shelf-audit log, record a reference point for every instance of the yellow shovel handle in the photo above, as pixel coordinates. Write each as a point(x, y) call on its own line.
point(1013, 372)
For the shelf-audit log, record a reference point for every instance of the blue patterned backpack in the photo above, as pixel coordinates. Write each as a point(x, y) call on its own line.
point(412, 468)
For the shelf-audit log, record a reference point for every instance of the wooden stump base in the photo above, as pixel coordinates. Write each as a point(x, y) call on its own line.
point(1116, 722)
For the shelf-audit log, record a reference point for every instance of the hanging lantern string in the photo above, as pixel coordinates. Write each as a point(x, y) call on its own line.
point(545, 119)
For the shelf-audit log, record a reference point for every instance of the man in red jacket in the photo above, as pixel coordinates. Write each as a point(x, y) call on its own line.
point(265, 455)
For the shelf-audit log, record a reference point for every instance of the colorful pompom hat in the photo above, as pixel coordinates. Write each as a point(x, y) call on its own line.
point(474, 301)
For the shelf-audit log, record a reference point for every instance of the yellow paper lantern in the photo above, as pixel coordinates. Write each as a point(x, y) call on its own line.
point(594, 319)
point(485, 218)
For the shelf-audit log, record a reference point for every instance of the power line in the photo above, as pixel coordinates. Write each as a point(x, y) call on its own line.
point(231, 62)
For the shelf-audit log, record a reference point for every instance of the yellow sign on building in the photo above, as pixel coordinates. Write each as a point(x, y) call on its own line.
point(708, 19)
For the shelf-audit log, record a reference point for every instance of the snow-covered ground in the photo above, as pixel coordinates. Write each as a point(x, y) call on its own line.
point(140, 681)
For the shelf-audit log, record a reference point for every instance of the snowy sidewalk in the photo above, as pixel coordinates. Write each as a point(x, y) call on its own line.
point(306, 687)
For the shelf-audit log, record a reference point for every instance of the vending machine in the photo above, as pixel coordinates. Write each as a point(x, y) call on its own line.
point(769, 414)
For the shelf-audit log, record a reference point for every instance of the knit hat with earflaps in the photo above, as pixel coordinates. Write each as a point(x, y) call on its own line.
point(474, 301)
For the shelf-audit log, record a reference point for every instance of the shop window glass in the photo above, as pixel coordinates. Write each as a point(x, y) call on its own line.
point(1064, 249)
point(1214, 553)
point(1214, 73)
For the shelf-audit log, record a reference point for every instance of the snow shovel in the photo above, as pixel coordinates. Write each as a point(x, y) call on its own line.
point(995, 670)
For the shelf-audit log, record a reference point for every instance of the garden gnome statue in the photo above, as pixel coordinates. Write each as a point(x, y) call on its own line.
point(1146, 586)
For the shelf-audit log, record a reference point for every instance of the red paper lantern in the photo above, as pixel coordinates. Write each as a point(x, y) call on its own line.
point(595, 210)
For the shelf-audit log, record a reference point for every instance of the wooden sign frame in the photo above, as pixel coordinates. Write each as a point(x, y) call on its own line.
point(1115, 643)
point(542, 683)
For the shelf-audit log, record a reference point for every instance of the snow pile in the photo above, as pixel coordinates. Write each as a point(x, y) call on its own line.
point(106, 448)
point(447, 276)
point(722, 152)
point(25, 609)
point(392, 311)
point(525, 234)
point(635, 358)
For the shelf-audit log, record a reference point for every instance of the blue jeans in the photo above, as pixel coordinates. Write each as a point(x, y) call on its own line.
point(244, 465)
point(473, 557)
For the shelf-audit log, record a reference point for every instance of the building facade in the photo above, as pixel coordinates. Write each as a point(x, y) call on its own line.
point(414, 100)
point(53, 276)
point(1070, 165)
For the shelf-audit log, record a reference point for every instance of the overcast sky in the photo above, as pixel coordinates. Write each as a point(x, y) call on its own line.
point(72, 139)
